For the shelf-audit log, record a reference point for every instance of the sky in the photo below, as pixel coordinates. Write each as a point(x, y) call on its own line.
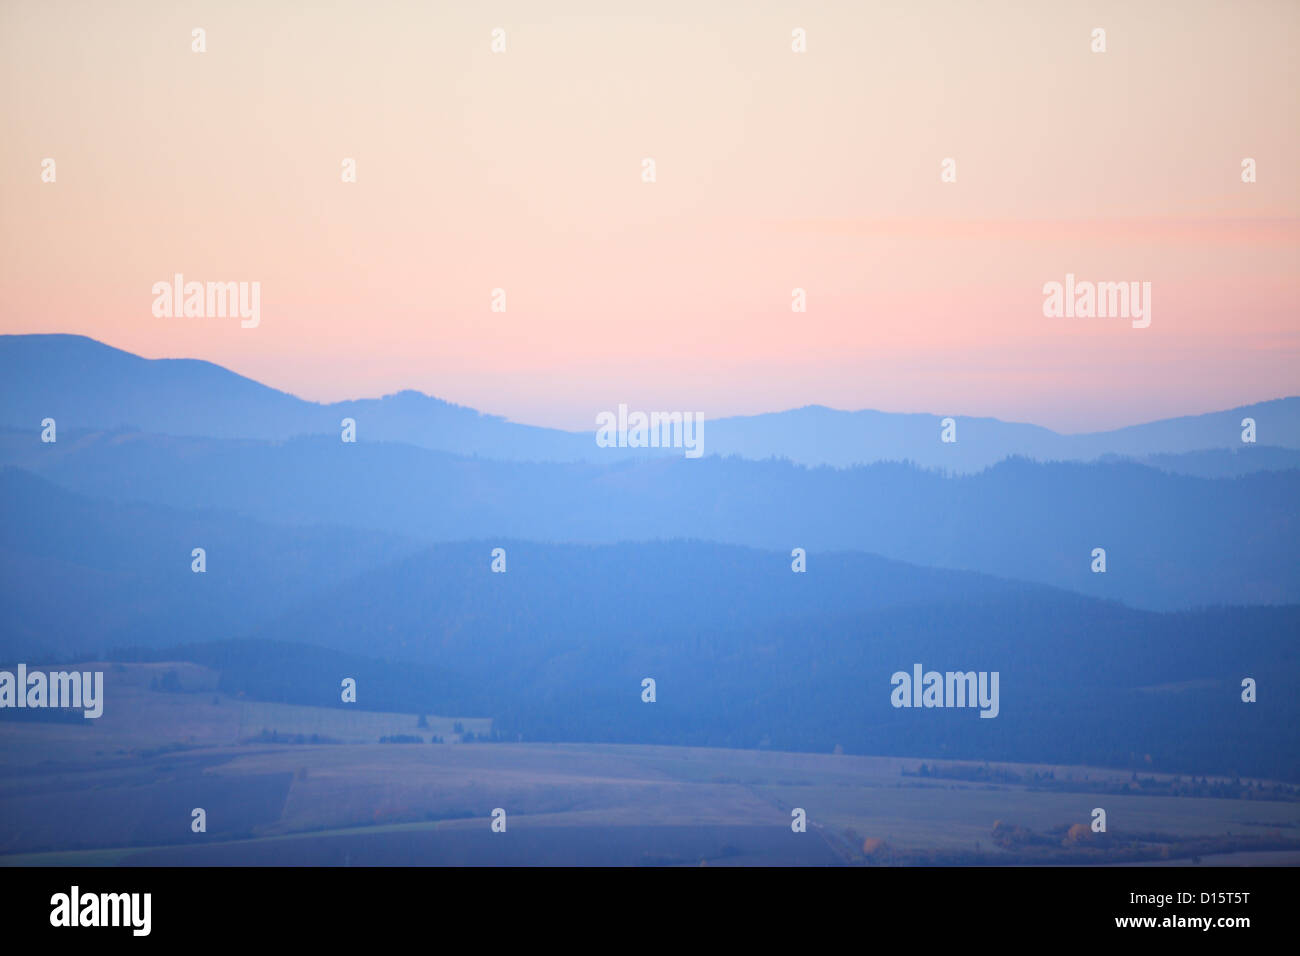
point(522, 170)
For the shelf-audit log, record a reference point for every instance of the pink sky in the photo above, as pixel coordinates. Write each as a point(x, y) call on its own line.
point(776, 170)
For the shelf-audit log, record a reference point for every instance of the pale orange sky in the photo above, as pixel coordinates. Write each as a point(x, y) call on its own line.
point(522, 170)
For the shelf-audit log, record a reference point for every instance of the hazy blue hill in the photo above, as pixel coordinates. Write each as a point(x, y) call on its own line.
point(84, 574)
point(81, 574)
point(747, 653)
point(556, 599)
point(817, 435)
point(1220, 462)
point(84, 384)
point(1172, 540)
point(1277, 422)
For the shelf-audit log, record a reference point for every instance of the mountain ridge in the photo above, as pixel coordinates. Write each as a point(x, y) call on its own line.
point(83, 383)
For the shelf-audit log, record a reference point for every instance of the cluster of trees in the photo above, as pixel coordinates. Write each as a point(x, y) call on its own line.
point(266, 736)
